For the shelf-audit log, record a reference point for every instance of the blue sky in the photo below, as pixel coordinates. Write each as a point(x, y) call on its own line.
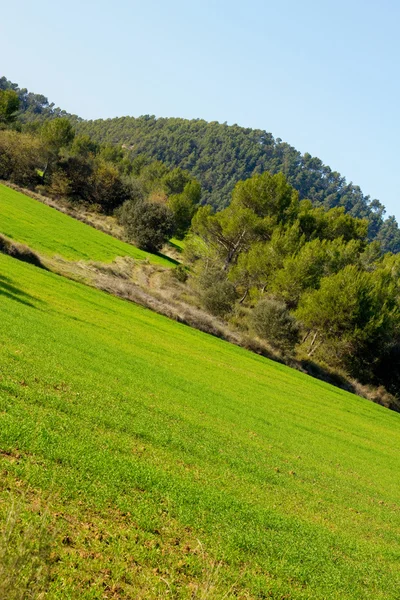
point(323, 76)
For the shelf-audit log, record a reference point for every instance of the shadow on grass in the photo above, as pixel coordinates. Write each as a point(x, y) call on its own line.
point(322, 373)
point(11, 291)
point(168, 258)
point(175, 246)
point(20, 252)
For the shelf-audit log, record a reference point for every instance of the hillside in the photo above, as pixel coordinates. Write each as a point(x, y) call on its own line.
point(170, 463)
point(141, 458)
point(220, 155)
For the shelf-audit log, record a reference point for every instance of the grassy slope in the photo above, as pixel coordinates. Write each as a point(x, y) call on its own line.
point(51, 232)
point(173, 462)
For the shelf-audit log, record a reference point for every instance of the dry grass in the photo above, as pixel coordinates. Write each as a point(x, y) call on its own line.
point(342, 380)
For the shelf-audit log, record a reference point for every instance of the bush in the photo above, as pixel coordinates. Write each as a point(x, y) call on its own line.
point(219, 298)
point(272, 321)
point(108, 188)
point(20, 158)
point(180, 273)
point(149, 224)
point(60, 186)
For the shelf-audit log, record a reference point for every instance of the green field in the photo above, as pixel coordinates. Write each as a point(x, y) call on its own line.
point(48, 231)
point(175, 465)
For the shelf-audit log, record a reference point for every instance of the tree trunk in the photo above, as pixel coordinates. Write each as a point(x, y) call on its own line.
point(310, 350)
point(243, 297)
point(315, 348)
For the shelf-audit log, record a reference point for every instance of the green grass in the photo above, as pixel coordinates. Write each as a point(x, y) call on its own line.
point(175, 465)
point(48, 231)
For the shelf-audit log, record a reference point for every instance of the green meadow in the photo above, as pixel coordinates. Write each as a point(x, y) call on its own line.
point(48, 231)
point(171, 464)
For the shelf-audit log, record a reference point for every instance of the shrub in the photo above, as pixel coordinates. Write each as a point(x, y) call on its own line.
point(272, 321)
point(60, 185)
point(219, 298)
point(149, 224)
point(20, 158)
point(180, 273)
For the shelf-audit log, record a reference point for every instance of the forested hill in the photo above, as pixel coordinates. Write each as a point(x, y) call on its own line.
point(220, 155)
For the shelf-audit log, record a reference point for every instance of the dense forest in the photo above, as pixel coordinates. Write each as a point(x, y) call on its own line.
point(220, 155)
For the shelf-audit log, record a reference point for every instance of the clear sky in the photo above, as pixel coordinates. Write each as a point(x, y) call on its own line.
point(323, 76)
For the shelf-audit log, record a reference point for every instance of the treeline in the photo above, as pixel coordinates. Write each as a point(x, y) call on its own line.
point(219, 155)
point(304, 278)
point(153, 202)
point(33, 107)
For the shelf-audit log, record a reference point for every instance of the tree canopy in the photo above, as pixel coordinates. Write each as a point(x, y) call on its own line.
point(219, 156)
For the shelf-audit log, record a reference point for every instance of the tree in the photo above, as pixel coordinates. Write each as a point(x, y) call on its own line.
point(217, 155)
point(151, 176)
point(149, 224)
point(353, 316)
point(184, 207)
point(84, 146)
point(335, 311)
point(255, 267)
point(175, 181)
point(77, 177)
point(330, 224)
point(9, 105)
point(268, 196)
point(57, 134)
point(21, 155)
point(314, 260)
point(229, 232)
point(389, 235)
point(108, 189)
